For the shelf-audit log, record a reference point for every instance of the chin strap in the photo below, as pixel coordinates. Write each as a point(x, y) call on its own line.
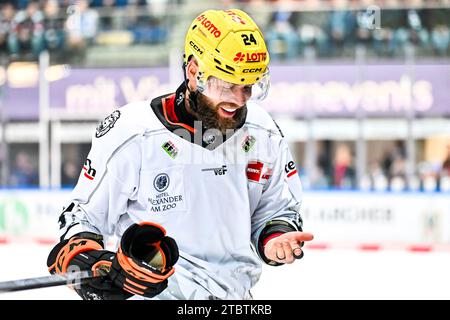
point(193, 95)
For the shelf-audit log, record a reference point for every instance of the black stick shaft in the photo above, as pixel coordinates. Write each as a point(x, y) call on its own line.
point(71, 278)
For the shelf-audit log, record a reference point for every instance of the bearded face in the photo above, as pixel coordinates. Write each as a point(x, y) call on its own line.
point(219, 115)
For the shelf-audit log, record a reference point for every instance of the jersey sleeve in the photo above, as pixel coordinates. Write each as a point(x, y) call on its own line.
point(278, 209)
point(108, 180)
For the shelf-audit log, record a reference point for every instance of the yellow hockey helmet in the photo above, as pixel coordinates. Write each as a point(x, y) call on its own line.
point(228, 45)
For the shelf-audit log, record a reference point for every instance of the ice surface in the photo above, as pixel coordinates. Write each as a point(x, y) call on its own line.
point(322, 274)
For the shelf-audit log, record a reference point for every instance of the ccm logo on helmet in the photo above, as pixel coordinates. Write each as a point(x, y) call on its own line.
point(250, 57)
point(209, 26)
point(252, 70)
point(195, 47)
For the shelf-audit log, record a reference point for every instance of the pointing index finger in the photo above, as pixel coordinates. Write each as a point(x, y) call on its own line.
point(301, 236)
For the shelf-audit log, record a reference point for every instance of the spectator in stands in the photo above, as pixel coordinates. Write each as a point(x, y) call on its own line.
point(344, 175)
point(7, 13)
point(440, 33)
point(24, 172)
point(440, 38)
point(106, 19)
point(396, 153)
point(27, 32)
point(444, 174)
point(70, 174)
point(281, 35)
point(81, 26)
point(54, 26)
point(417, 21)
point(406, 26)
point(148, 28)
point(342, 26)
point(393, 19)
point(397, 174)
point(312, 28)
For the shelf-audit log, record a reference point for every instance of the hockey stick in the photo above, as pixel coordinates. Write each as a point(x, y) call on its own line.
point(70, 278)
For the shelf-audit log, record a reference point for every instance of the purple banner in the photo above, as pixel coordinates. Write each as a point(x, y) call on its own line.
point(322, 90)
point(92, 91)
point(20, 103)
point(370, 90)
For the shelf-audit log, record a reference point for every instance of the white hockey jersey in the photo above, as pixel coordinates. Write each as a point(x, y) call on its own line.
point(213, 197)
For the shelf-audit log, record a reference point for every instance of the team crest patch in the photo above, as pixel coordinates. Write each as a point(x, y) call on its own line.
point(107, 124)
point(248, 143)
point(161, 182)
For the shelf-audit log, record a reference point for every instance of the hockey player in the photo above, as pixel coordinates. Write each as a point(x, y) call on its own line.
point(205, 163)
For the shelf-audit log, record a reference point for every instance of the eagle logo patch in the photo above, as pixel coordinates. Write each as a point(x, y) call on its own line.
point(107, 124)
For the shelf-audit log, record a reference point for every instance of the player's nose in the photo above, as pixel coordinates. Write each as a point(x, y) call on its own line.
point(241, 96)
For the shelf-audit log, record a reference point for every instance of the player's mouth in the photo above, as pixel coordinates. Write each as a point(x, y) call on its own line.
point(227, 112)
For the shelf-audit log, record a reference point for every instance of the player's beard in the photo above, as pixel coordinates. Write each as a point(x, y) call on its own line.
point(207, 112)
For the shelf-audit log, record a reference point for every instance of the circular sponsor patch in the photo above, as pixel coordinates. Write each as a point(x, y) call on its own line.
point(161, 182)
point(107, 124)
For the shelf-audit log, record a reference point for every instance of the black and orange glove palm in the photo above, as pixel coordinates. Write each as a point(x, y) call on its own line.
point(144, 260)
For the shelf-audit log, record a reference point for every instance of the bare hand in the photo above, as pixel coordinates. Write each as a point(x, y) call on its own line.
point(286, 247)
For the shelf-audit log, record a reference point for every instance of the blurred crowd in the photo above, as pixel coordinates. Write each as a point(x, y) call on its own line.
point(28, 27)
point(330, 27)
point(24, 165)
point(336, 169)
point(338, 26)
